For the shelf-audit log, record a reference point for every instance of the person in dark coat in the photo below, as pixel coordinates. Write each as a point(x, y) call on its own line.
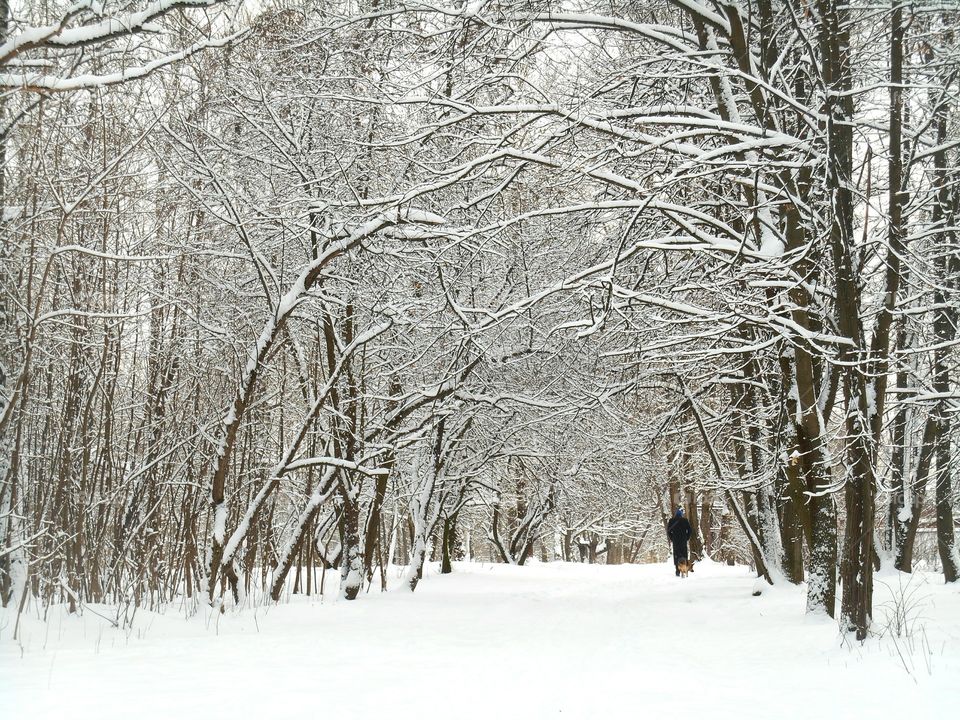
point(678, 530)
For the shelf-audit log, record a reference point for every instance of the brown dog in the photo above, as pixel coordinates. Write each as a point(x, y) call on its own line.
point(685, 566)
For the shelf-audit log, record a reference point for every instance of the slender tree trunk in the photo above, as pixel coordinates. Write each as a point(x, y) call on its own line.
point(901, 492)
point(424, 519)
point(696, 541)
point(904, 558)
point(726, 551)
point(706, 522)
point(945, 329)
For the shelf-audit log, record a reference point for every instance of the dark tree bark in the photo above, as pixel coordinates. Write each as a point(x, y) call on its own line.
point(696, 541)
point(900, 494)
point(859, 488)
point(351, 576)
point(449, 543)
point(706, 522)
point(947, 262)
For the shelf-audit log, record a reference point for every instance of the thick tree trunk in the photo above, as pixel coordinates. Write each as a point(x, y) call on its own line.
point(351, 567)
point(449, 544)
point(822, 573)
point(696, 541)
point(792, 542)
point(614, 551)
point(791, 524)
point(568, 546)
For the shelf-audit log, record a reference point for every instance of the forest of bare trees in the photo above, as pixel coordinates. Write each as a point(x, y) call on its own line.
point(297, 290)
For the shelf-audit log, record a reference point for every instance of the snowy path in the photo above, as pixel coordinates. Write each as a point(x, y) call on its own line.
point(494, 642)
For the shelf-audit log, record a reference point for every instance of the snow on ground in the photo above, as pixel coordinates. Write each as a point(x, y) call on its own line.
point(542, 641)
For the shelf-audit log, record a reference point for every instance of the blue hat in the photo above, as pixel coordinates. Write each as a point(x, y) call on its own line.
point(679, 512)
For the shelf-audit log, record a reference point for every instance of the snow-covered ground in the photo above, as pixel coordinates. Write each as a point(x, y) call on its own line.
point(547, 640)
